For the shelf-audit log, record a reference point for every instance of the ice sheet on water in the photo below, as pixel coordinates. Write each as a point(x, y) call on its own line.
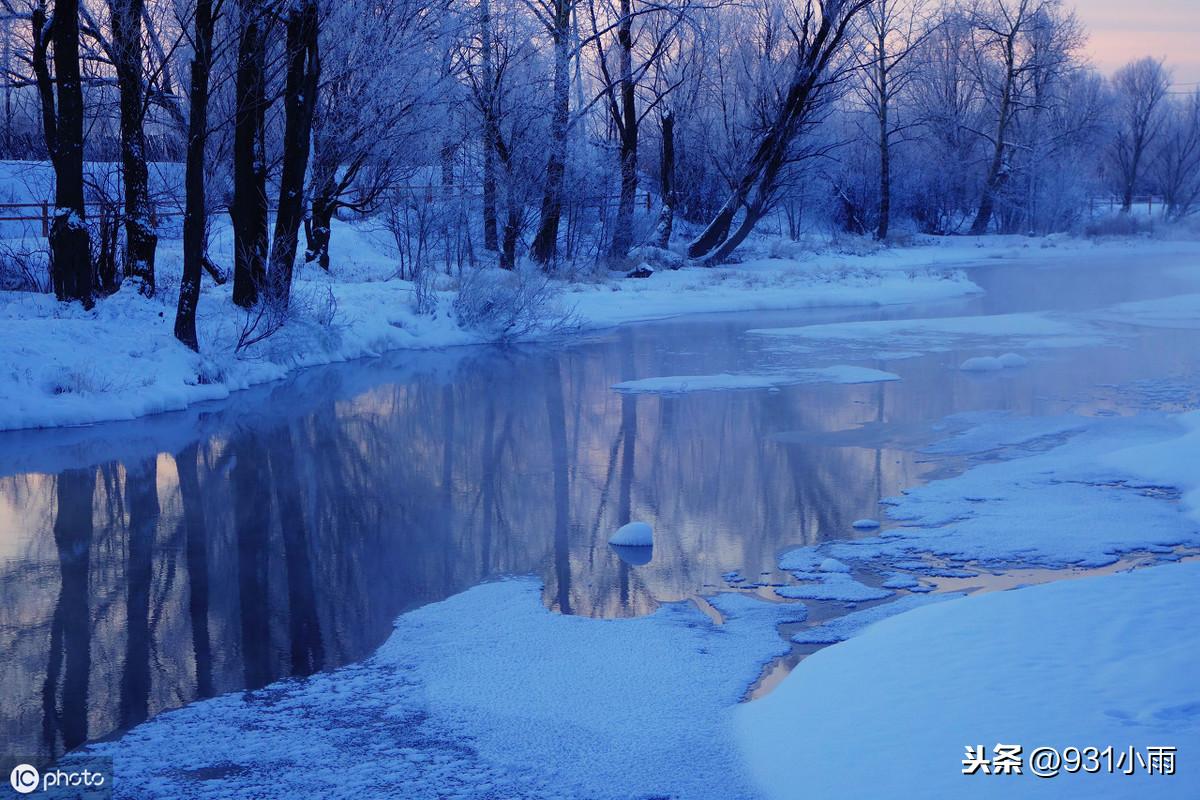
point(940, 334)
point(836, 586)
point(680, 384)
point(992, 430)
point(842, 628)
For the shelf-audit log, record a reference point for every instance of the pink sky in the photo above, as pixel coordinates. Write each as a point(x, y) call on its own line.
point(1122, 30)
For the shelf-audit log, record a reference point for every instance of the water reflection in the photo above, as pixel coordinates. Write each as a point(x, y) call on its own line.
point(146, 565)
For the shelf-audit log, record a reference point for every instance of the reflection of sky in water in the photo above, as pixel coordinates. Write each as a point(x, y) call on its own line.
point(141, 567)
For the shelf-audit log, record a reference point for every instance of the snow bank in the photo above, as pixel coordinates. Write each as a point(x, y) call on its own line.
point(680, 384)
point(1093, 662)
point(486, 694)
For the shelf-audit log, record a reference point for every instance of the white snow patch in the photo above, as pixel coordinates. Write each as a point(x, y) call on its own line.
point(1090, 662)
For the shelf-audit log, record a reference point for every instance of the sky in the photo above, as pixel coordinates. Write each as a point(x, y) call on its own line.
point(1122, 30)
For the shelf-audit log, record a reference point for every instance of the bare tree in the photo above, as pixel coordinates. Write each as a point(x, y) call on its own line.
point(61, 99)
point(376, 93)
point(195, 219)
point(892, 31)
point(249, 208)
point(620, 88)
point(819, 39)
point(1016, 42)
point(1140, 89)
point(1177, 165)
point(555, 17)
point(302, 73)
point(128, 58)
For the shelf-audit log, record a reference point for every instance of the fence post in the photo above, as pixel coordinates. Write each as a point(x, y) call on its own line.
point(45, 220)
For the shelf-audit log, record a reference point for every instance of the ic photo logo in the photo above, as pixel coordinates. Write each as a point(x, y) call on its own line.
point(24, 778)
point(80, 778)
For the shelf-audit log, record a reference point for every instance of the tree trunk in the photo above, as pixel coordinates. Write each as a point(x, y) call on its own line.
point(140, 238)
point(317, 229)
point(249, 210)
point(512, 229)
point(70, 256)
point(300, 96)
point(490, 134)
point(623, 227)
point(666, 218)
point(997, 173)
point(885, 144)
point(1131, 178)
point(545, 243)
point(195, 219)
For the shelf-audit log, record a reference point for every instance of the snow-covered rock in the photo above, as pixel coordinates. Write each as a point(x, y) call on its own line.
point(865, 524)
point(1013, 360)
point(633, 534)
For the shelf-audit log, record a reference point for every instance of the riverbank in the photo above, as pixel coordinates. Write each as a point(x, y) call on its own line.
point(66, 366)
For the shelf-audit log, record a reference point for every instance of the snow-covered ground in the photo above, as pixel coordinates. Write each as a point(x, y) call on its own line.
point(66, 366)
point(485, 695)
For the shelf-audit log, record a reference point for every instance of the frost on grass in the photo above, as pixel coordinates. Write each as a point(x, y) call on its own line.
point(486, 695)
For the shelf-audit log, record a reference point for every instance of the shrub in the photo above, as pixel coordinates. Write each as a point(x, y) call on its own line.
point(512, 305)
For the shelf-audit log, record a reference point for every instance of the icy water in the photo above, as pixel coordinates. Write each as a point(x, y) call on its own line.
point(147, 564)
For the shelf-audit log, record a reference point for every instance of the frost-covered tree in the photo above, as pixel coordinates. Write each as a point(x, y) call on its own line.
point(892, 32)
point(1177, 163)
point(1139, 91)
point(1017, 46)
point(816, 62)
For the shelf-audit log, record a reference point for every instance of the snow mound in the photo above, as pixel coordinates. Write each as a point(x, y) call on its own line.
point(865, 524)
point(1010, 360)
point(633, 534)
